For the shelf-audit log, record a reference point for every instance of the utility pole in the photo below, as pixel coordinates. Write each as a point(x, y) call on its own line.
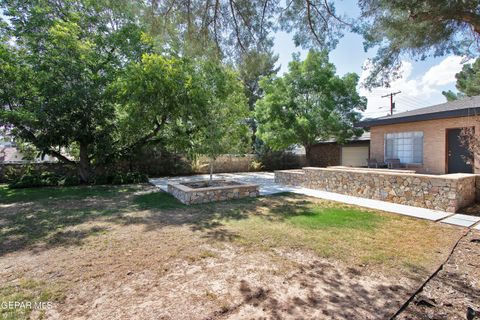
point(392, 104)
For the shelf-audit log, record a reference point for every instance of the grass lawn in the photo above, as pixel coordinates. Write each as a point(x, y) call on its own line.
point(127, 252)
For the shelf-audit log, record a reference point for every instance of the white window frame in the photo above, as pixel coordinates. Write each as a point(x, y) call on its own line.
point(399, 134)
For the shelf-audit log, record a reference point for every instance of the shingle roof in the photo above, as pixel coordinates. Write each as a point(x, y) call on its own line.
point(457, 108)
point(364, 137)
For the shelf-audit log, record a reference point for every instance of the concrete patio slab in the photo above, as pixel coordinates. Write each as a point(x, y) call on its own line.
point(477, 227)
point(268, 186)
point(462, 220)
point(264, 179)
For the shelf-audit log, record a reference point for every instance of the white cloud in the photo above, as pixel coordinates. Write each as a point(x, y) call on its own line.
point(444, 72)
point(416, 92)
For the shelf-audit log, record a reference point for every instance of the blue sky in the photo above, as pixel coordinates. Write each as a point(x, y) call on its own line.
point(421, 84)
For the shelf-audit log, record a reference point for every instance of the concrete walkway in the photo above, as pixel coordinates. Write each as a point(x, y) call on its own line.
point(268, 186)
point(462, 220)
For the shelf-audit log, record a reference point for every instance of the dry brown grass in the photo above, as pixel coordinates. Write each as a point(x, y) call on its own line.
point(123, 254)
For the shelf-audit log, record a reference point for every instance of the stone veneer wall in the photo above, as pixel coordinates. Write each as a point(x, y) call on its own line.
point(477, 188)
point(443, 192)
point(189, 195)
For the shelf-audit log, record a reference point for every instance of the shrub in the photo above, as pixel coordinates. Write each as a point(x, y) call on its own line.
point(47, 179)
point(121, 178)
point(27, 181)
point(69, 181)
point(102, 179)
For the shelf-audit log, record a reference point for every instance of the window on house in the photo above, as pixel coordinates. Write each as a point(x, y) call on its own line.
point(406, 146)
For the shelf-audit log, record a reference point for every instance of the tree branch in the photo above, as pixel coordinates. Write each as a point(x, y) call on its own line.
point(237, 32)
point(48, 151)
point(145, 139)
point(310, 22)
point(466, 17)
point(330, 12)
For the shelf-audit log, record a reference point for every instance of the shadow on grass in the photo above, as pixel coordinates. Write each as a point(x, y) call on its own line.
point(49, 219)
point(322, 288)
point(20, 230)
point(43, 218)
point(166, 210)
point(45, 194)
point(158, 200)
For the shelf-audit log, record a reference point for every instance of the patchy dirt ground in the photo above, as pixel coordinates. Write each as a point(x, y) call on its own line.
point(116, 257)
point(454, 289)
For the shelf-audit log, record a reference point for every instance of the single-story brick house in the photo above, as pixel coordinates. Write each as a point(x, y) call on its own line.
point(427, 139)
point(353, 153)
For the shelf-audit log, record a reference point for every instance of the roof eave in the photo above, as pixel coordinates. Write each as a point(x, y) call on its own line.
point(420, 117)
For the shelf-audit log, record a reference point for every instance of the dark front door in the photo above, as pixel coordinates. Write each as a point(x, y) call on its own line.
point(458, 156)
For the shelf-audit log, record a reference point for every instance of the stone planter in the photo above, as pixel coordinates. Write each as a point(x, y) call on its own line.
point(196, 192)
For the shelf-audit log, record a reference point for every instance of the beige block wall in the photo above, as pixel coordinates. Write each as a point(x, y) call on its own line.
point(434, 140)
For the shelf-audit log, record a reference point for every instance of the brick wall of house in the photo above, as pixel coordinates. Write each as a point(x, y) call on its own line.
point(434, 140)
point(325, 154)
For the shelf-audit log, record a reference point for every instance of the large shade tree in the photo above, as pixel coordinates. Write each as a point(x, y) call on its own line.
point(309, 103)
point(57, 60)
point(197, 105)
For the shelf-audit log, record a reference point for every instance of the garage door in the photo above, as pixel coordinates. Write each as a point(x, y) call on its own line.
point(354, 156)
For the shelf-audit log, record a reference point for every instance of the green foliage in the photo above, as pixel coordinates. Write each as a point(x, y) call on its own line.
point(29, 152)
point(253, 66)
point(68, 181)
point(451, 96)
point(417, 29)
point(315, 23)
point(120, 178)
point(195, 106)
point(308, 103)
point(222, 125)
point(219, 29)
point(45, 179)
point(468, 82)
point(56, 63)
point(153, 96)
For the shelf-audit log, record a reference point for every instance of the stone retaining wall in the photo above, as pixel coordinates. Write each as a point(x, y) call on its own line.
point(440, 192)
point(189, 195)
point(477, 187)
point(290, 177)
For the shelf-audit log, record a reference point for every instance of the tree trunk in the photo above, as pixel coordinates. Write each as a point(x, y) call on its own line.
point(84, 169)
point(211, 169)
point(308, 154)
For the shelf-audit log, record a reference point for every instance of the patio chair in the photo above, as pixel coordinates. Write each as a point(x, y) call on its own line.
point(373, 163)
point(393, 163)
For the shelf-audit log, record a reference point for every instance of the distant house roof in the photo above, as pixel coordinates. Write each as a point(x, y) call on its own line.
point(452, 109)
point(364, 137)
